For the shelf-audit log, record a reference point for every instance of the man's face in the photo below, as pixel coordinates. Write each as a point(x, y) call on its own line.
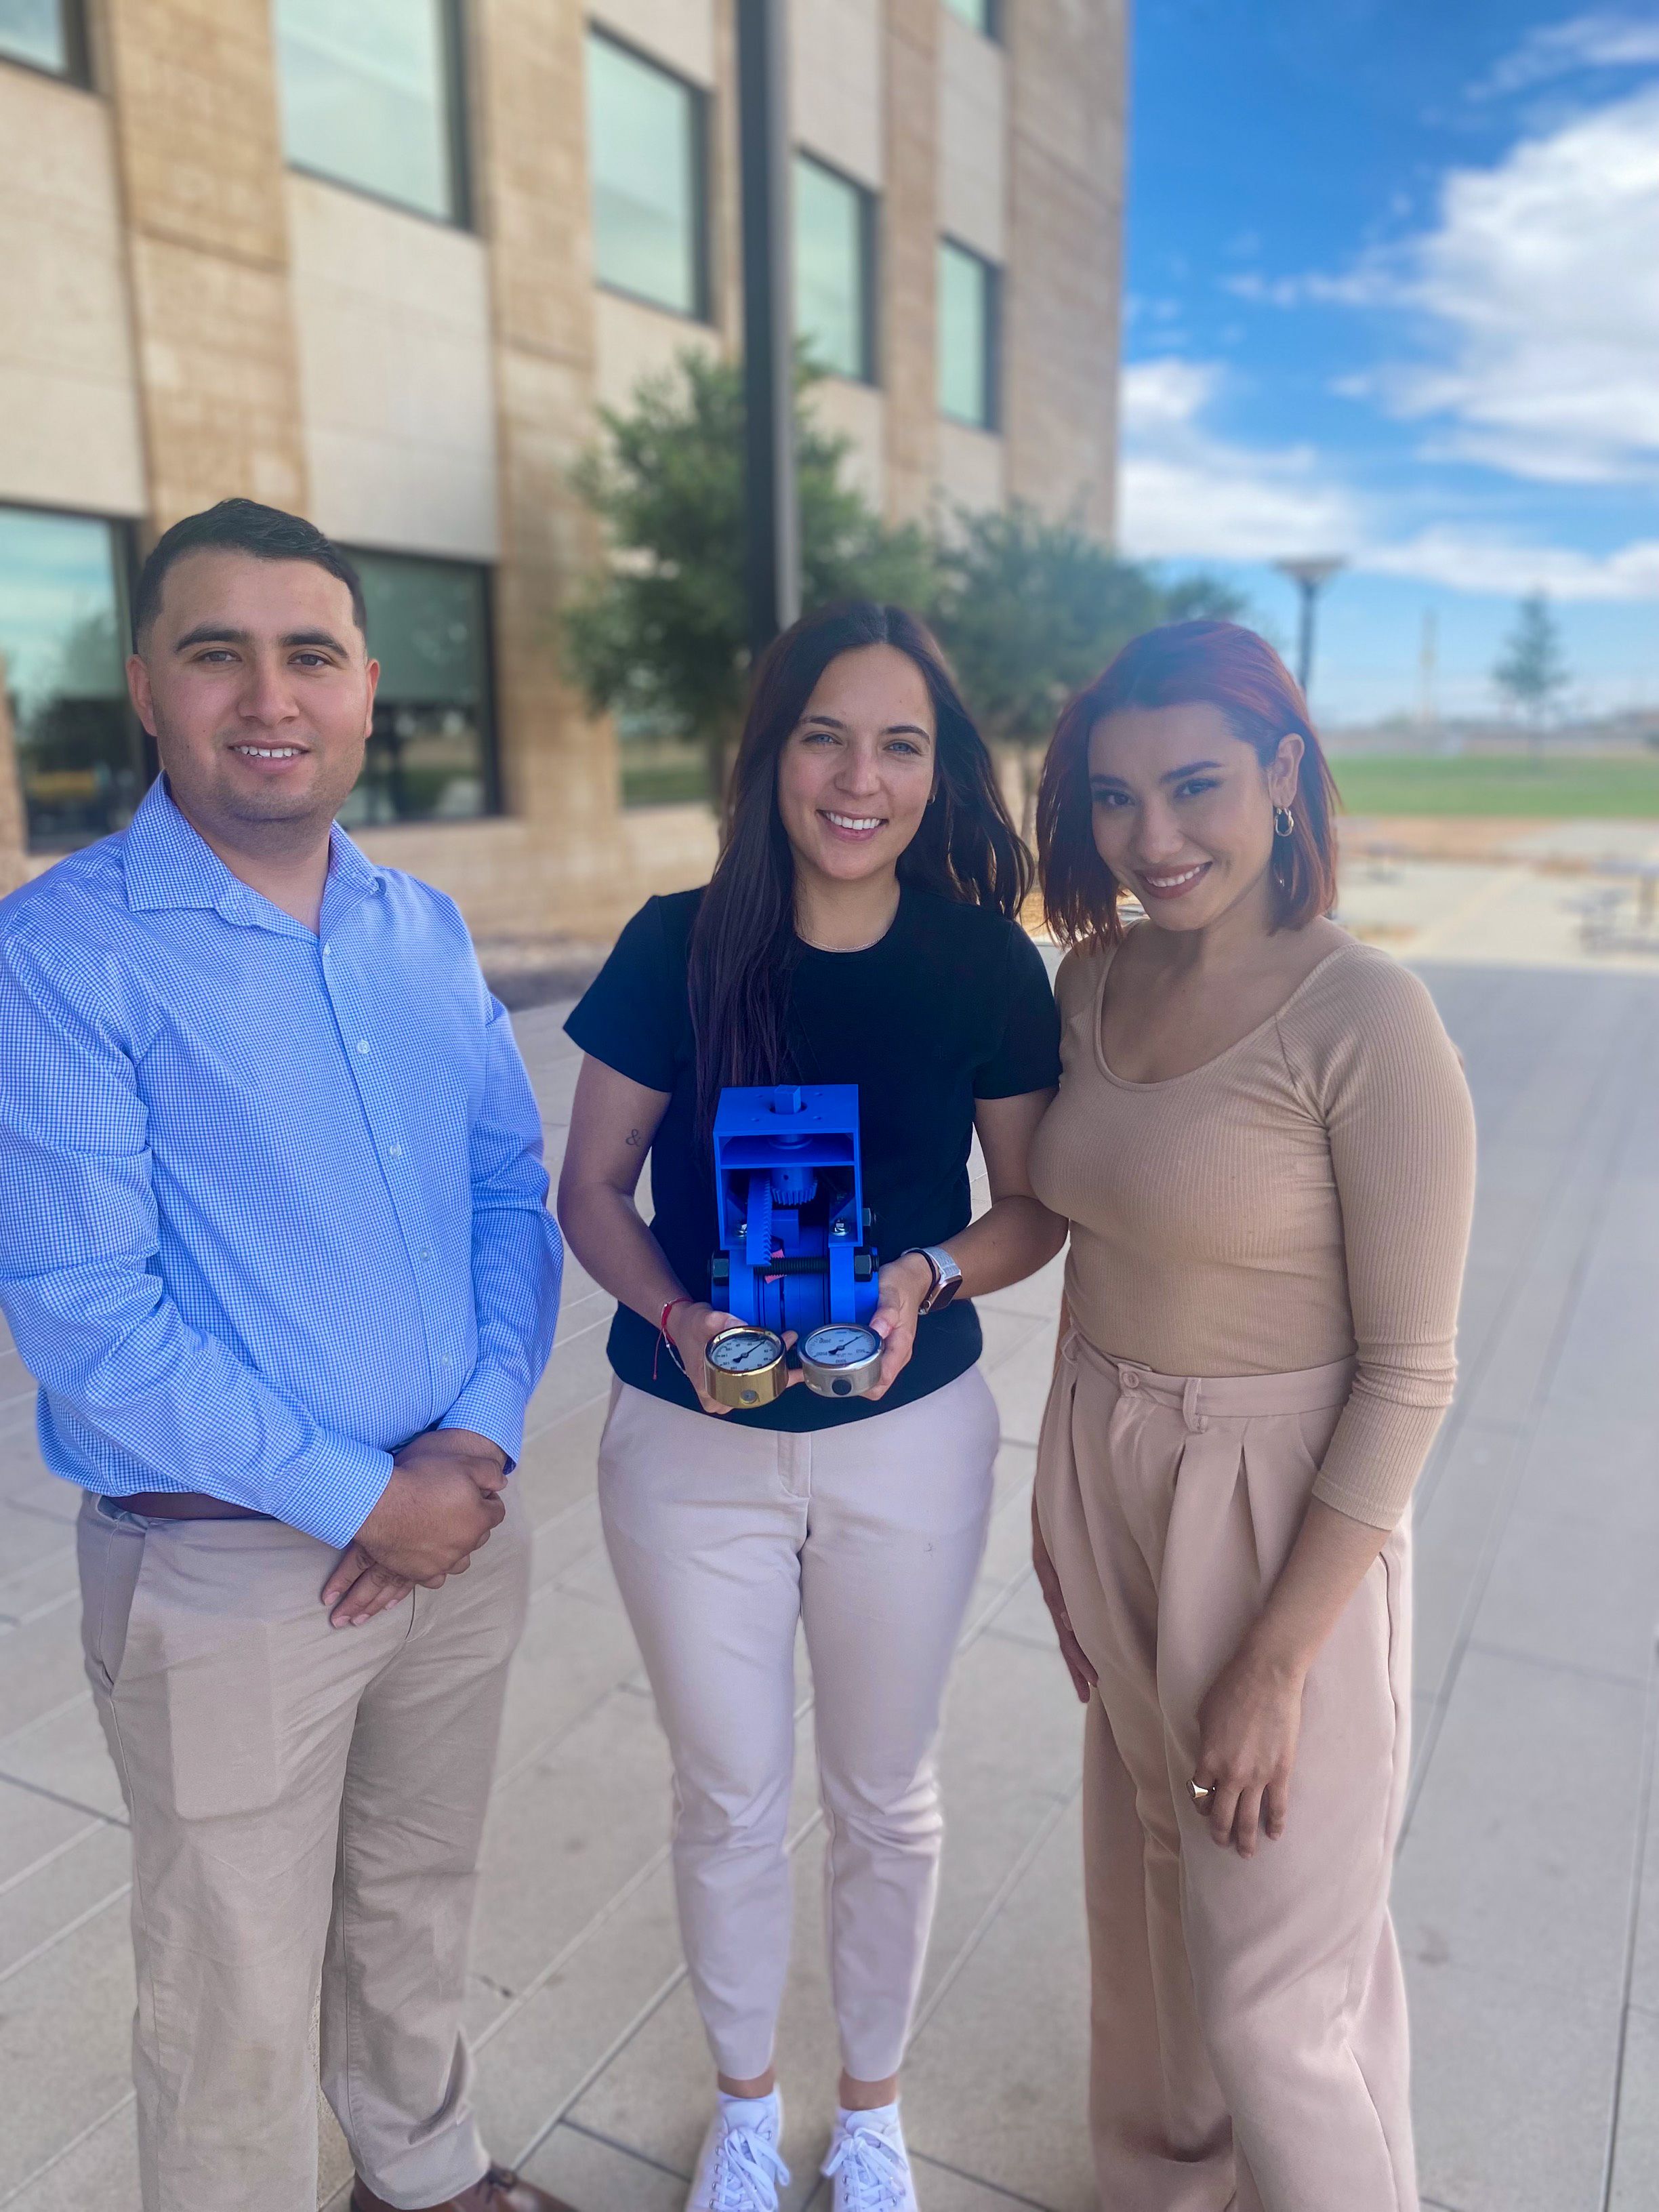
point(255, 683)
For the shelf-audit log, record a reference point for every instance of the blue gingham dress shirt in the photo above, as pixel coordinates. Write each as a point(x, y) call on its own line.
point(271, 1203)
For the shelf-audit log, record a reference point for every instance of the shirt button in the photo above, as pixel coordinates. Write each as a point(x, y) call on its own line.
point(362, 1044)
point(396, 1151)
point(425, 1252)
point(1132, 1381)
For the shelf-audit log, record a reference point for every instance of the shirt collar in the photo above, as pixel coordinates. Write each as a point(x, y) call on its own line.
point(167, 863)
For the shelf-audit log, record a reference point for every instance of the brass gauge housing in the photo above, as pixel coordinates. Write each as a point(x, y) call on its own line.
point(746, 1367)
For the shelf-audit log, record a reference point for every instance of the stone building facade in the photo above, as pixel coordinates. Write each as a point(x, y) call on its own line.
point(245, 251)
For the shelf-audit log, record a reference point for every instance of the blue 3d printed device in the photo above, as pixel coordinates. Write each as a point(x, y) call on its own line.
point(789, 1200)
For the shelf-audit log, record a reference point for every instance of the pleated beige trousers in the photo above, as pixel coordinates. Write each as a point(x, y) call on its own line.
point(1249, 2034)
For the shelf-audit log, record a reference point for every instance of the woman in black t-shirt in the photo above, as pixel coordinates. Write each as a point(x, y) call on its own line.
point(860, 928)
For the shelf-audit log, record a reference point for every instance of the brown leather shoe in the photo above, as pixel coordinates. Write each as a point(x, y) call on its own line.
point(498, 2191)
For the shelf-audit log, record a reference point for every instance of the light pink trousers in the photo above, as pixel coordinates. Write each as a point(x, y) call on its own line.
point(868, 1536)
point(1250, 2044)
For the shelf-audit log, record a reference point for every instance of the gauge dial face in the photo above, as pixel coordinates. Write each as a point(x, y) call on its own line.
point(745, 1350)
point(841, 1344)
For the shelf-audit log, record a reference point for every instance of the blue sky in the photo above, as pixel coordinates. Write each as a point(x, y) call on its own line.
point(1394, 292)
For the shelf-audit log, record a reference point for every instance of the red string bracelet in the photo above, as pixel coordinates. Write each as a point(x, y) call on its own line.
point(663, 1337)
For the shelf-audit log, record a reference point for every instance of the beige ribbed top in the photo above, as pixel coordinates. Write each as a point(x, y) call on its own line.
point(1302, 1198)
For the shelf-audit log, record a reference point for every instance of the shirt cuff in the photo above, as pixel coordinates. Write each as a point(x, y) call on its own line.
point(491, 1404)
point(333, 1490)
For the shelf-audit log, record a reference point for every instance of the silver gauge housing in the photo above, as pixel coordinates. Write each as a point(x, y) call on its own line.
point(746, 1367)
point(841, 1359)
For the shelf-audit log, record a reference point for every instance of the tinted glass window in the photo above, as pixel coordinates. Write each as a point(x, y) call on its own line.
point(37, 30)
point(644, 136)
point(967, 337)
point(80, 752)
point(368, 97)
point(431, 755)
point(981, 14)
point(833, 237)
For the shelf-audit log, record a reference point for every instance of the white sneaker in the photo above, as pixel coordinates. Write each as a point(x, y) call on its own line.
point(869, 2165)
point(739, 2169)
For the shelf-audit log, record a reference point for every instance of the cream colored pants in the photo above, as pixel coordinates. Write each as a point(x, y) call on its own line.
point(869, 1535)
point(306, 1804)
point(1249, 2015)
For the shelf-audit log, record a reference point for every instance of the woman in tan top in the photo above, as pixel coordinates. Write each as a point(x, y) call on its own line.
point(1264, 1146)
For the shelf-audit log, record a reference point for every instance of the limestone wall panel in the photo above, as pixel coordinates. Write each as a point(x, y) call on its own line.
point(69, 434)
point(678, 33)
point(911, 256)
point(836, 76)
point(973, 94)
point(397, 381)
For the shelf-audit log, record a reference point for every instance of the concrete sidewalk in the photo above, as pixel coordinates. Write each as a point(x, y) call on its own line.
point(1528, 1891)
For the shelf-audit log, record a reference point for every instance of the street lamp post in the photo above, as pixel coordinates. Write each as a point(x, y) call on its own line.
point(1310, 577)
point(773, 516)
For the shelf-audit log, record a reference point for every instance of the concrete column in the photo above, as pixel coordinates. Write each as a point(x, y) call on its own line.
point(559, 765)
point(909, 255)
point(1060, 301)
point(201, 165)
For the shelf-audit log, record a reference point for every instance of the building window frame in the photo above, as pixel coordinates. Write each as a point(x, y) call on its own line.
point(494, 804)
point(990, 28)
point(869, 208)
point(991, 274)
point(457, 136)
point(76, 70)
point(700, 102)
point(125, 564)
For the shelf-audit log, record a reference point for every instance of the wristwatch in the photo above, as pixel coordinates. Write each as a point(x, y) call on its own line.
point(947, 1276)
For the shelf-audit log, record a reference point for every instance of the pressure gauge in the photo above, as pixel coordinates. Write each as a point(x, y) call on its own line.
point(841, 1359)
point(746, 1367)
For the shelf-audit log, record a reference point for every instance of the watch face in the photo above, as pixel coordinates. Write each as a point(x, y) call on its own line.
point(841, 1344)
point(743, 1350)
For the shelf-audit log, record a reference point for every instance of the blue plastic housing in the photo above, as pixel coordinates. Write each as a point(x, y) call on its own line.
point(789, 1198)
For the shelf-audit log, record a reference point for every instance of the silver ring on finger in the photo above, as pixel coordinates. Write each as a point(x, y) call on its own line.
point(1203, 1794)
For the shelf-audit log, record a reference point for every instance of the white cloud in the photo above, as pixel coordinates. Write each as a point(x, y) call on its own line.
point(1480, 561)
point(1534, 293)
point(1541, 280)
point(1603, 39)
point(1186, 492)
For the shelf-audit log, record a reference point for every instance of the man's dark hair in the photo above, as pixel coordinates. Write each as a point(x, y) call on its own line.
point(241, 525)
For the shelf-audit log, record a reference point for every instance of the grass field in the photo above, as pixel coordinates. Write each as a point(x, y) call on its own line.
point(1554, 789)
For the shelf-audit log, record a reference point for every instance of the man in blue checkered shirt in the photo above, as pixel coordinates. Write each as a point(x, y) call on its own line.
point(274, 1241)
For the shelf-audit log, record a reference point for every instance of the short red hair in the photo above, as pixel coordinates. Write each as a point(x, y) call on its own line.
point(1216, 663)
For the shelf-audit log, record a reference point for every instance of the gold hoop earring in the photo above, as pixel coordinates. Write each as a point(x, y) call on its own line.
point(1284, 821)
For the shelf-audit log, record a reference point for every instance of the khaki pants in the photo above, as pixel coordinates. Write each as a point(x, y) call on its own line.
point(306, 1805)
point(1249, 2019)
point(868, 1536)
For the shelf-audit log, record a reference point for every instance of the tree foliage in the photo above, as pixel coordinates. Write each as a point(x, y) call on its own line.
point(1031, 610)
point(1532, 669)
point(662, 631)
point(1028, 609)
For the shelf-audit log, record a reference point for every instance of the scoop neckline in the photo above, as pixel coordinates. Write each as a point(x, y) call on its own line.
point(1164, 1082)
point(858, 952)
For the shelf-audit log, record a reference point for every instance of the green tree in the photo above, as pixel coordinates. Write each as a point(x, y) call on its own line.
point(1031, 610)
point(1532, 671)
point(661, 630)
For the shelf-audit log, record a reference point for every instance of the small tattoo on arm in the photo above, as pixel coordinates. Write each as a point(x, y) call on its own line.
point(633, 1139)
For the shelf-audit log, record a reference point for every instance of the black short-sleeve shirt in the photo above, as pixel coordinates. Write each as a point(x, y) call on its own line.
point(952, 1004)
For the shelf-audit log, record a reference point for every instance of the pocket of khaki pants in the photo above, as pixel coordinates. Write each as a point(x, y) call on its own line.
point(206, 1677)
